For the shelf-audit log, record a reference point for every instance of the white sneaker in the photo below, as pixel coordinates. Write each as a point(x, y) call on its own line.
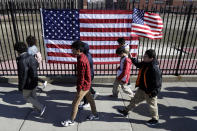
point(84, 106)
point(42, 111)
point(45, 84)
point(95, 95)
point(67, 123)
point(81, 106)
point(131, 95)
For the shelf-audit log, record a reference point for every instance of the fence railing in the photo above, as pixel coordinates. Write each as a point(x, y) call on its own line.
point(176, 52)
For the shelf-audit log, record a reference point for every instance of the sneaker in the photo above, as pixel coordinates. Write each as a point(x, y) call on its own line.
point(81, 106)
point(131, 95)
point(42, 111)
point(93, 117)
point(35, 112)
point(152, 122)
point(67, 123)
point(39, 89)
point(95, 95)
point(44, 85)
point(123, 112)
point(84, 106)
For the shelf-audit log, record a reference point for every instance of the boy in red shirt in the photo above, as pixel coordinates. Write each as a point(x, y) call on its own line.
point(83, 84)
point(123, 73)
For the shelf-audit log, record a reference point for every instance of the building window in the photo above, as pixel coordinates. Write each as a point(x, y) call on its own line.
point(137, 1)
point(95, 1)
point(159, 1)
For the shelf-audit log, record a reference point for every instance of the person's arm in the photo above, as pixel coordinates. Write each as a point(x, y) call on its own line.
point(136, 63)
point(38, 56)
point(81, 75)
point(126, 69)
point(33, 67)
point(22, 75)
point(154, 82)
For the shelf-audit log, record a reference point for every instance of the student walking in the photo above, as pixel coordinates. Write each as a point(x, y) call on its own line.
point(33, 50)
point(122, 43)
point(123, 74)
point(93, 92)
point(28, 77)
point(149, 82)
point(83, 84)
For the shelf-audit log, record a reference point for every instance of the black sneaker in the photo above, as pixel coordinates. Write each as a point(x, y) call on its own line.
point(123, 112)
point(152, 122)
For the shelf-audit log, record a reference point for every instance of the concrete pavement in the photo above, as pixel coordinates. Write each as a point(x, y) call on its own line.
point(177, 110)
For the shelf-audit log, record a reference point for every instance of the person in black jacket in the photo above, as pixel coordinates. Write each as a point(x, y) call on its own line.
point(27, 76)
point(149, 82)
point(93, 92)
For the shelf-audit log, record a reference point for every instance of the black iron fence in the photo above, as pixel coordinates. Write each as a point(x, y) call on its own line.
point(176, 52)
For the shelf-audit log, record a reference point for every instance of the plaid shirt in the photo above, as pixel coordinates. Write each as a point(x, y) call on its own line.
point(84, 73)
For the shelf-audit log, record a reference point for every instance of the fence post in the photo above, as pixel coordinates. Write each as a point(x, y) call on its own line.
point(13, 20)
point(184, 38)
point(133, 4)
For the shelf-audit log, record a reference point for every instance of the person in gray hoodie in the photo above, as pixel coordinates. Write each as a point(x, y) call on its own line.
point(33, 50)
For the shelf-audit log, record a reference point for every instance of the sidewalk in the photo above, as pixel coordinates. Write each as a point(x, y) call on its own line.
point(177, 110)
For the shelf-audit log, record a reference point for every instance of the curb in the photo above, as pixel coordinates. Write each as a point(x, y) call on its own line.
point(97, 79)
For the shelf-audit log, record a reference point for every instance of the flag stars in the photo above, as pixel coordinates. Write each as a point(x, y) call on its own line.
point(61, 25)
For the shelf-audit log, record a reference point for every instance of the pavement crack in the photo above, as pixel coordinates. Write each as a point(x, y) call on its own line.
point(24, 120)
point(26, 116)
point(129, 119)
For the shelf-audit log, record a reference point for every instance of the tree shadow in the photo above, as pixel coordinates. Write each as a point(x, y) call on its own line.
point(11, 85)
point(13, 97)
point(103, 116)
point(102, 85)
point(188, 93)
point(108, 98)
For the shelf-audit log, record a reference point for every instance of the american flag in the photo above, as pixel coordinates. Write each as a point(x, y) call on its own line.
point(98, 28)
point(146, 24)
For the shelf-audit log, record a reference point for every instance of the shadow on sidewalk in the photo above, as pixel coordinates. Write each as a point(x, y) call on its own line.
point(57, 109)
point(10, 85)
point(187, 93)
point(175, 118)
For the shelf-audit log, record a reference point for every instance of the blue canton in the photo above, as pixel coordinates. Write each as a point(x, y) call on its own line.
point(138, 16)
point(61, 24)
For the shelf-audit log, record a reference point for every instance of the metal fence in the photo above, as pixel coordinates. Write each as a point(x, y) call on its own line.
point(176, 52)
